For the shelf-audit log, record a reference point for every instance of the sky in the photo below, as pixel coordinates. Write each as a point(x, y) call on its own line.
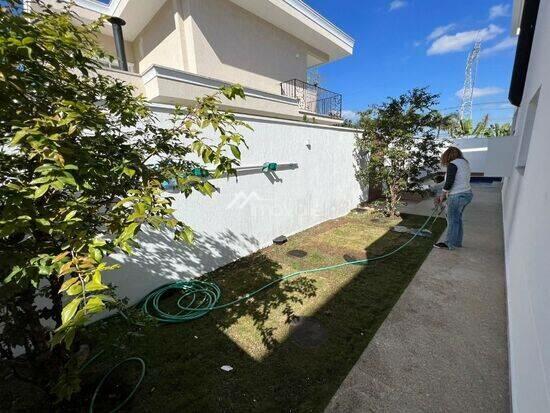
point(402, 44)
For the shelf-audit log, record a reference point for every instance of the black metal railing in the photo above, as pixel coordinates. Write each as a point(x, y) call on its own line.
point(313, 98)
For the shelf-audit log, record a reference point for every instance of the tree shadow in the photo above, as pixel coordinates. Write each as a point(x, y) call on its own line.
point(161, 260)
point(251, 273)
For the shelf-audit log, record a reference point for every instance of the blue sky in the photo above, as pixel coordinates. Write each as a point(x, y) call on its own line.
point(401, 44)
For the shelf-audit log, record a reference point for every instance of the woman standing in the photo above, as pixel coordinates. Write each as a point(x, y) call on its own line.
point(458, 193)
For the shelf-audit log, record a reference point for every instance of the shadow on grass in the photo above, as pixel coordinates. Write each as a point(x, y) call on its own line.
point(184, 360)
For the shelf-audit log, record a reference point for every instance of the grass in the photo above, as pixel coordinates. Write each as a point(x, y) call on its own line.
point(271, 371)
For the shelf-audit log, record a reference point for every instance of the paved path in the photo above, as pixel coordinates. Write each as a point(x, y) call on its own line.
point(443, 347)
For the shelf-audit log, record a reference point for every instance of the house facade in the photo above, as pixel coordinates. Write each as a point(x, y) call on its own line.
point(526, 199)
point(175, 50)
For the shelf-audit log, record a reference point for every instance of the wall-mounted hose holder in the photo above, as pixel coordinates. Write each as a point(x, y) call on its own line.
point(266, 168)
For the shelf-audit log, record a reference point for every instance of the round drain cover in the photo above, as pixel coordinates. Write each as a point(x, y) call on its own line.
point(307, 332)
point(297, 253)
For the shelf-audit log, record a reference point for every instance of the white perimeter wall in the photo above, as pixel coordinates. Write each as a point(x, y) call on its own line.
point(249, 212)
point(493, 157)
point(526, 204)
point(475, 151)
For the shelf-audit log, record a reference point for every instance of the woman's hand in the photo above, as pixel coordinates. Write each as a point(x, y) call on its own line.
point(441, 198)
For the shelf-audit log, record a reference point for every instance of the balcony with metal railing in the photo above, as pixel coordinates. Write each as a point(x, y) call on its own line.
point(314, 99)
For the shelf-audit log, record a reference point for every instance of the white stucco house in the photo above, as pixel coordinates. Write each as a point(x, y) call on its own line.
point(526, 200)
point(522, 160)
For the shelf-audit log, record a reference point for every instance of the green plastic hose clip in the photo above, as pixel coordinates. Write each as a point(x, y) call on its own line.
point(200, 172)
point(269, 167)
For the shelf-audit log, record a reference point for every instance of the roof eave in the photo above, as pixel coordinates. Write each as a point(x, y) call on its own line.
point(516, 16)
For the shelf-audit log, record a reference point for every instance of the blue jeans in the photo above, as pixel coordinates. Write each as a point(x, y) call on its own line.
point(455, 206)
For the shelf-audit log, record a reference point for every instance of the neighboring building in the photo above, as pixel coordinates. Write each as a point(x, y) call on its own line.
point(176, 50)
point(526, 207)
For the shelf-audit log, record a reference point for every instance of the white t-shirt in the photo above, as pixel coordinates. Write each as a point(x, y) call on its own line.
point(462, 178)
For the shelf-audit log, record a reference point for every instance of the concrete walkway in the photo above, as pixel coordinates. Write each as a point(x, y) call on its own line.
point(443, 347)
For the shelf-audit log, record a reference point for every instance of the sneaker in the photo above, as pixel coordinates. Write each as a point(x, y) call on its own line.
point(441, 245)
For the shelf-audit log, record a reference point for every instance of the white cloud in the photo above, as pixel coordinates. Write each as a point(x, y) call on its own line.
point(397, 4)
point(460, 41)
point(482, 91)
point(440, 31)
point(350, 115)
point(499, 10)
point(507, 43)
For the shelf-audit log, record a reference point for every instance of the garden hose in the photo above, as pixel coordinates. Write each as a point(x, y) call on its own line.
point(198, 298)
point(131, 394)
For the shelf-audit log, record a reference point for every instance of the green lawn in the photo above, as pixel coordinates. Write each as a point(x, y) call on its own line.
point(271, 370)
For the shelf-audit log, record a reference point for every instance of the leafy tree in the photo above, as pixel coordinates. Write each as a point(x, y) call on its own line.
point(444, 122)
point(82, 162)
point(459, 128)
point(498, 129)
point(400, 144)
point(348, 123)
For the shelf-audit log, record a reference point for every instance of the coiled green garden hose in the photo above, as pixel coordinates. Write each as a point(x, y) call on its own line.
point(198, 298)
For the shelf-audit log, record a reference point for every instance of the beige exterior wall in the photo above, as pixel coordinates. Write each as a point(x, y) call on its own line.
point(108, 44)
point(265, 56)
point(168, 86)
point(218, 42)
point(159, 42)
point(132, 78)
point(200, 36)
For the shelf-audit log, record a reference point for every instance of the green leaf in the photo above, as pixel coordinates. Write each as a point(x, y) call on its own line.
point(67, 179)
point(129, 231)
point(41, 180)
point(97, 274)
point(206, 154)
point(186, 233)
point(45, 168)
point(95, 286)
point(95, 254)
point(43, 221)
point(236, 151)
point(15, 271)
point(128, 171)
point(94, 305)
point(41, 190)
point(20, 134)
point(75, 289)
point(207, 188)
point(98, 242)
point(67, 284)
point(69, 310)
point(70, 216)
